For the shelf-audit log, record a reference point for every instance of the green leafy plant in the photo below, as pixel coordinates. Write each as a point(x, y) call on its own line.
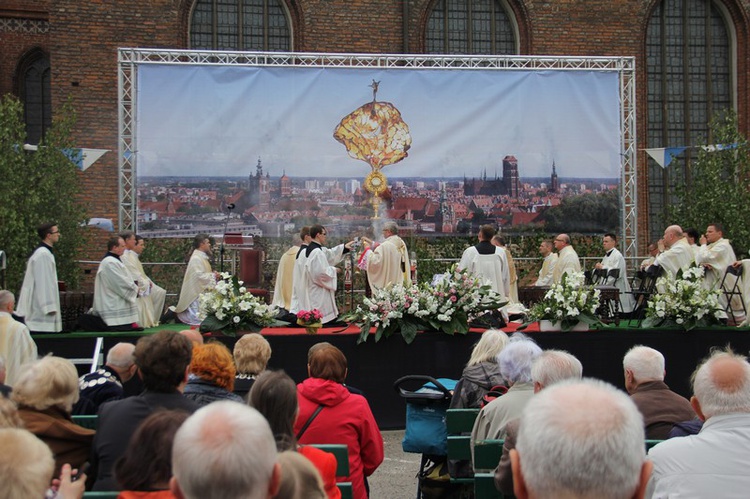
point(568, 302)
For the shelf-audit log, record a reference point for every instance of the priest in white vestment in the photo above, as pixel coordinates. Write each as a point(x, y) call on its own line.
point(567, 258)
point(16, 345)
point(388, 262)
point(115, 290)
point(150, 296)
point(548, 265)
point(198, 278)
point(679, 254)
point(320, 275)
point(282, 290)
point(39, 301)
point(484, 261)
point(299, 300)
point(613, 259)
point(715, 254)
point(499, 242)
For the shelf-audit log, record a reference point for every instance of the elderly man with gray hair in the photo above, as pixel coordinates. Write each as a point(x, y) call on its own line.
point(644, 380)
point(515, 362)
point(552, 366)
point(225, 450)
point(580, 439)
point(715, 462)
point(387, 263)
point(105, 383)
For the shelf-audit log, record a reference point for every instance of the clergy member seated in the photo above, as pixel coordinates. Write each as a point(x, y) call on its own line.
point(715, 254)
point(198, 278)
point(115, 290)
point(548, 266)
point(567, 258)
point(678, 255)
point(484, 261)
point(613, 259)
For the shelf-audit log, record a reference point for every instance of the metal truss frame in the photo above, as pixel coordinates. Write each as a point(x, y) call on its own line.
point(130, 58)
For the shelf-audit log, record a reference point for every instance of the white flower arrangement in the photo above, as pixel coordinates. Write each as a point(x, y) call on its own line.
point(446, 305)
point(229, 308)
point(569, 302)
point(683, 301)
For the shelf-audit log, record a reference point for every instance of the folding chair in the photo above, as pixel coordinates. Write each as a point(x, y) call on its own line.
point(645, 289)
point(731, 289)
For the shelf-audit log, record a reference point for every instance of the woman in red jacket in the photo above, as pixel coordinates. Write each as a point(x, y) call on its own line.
point(333, 415)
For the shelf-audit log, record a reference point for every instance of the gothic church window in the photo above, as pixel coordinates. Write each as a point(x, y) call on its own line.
point(471, 27)
point(35, 93)
point(240, 25)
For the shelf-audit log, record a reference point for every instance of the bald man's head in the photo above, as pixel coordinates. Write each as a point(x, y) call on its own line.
point(193, 335)
point(721, 385)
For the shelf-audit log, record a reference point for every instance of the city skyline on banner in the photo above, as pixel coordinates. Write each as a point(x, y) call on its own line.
point(220, 121)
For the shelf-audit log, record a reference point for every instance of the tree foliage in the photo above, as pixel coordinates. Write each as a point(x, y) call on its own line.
point(38, 187)
point(592, 213)
point(719, 187)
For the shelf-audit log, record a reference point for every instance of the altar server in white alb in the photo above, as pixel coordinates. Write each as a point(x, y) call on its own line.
point(388, 262)
point(321, 275)
point(39, 301)
point(115, 290)
point(715, 254)
point(484, 261)
point(198, 278)
point(150, 296)
point(299, 299)
point(567, 258)
point(613, 259)
point(679, 254)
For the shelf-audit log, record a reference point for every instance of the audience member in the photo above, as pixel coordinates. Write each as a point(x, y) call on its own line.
point(26, 465)
point(163, 360)
point(16, 344)
point(145, 469)
point(251, 354)
point(299, 478)
point(580, 439)
point(714, 462)
point(105, 383)
point(211, 375)
point(115, 291)
point(9, 417)
point(547, 271)
point(150, 296)
point(644, 380)
point(515, 367)
point(481, 372)
point(39, 301)
point(678, 256)
point(484, 261)
point(235, 459)
point(387, 262)
point(552, 366)
point(330, 414)
point(613, 260)
point(195, 336)
point(282, 290)
point(274, 395)
point(45, 393)
point(198, 278)
point(567, 258)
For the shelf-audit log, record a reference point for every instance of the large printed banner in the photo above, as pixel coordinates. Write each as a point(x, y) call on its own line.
point(286, 142)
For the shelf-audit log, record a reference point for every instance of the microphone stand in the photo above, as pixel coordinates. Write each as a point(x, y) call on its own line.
point(229, 207)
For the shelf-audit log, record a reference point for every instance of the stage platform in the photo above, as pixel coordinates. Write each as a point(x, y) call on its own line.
point(373, 367)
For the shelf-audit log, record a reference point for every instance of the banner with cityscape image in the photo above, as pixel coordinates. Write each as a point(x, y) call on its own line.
point(289, 145)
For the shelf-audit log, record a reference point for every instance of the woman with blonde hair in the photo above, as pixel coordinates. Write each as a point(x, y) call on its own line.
point(251, 354)
point(45, 393)
point(299, 478)
point(481, 372)
point(211, 375)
